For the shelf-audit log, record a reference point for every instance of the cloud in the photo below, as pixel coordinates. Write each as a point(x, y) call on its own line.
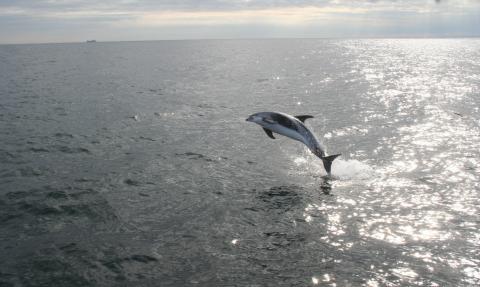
point(337, 17)
point(279, 16)
point(59, 6)
point(170, 12)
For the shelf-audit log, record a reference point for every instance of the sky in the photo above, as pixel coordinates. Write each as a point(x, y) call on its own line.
point(45, 21)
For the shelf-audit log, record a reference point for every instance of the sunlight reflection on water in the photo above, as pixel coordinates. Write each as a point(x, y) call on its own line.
point(433, 146)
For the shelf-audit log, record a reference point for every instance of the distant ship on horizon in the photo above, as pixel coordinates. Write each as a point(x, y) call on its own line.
point(91, 41)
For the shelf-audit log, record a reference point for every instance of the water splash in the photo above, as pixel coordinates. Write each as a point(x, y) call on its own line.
point(351, 169)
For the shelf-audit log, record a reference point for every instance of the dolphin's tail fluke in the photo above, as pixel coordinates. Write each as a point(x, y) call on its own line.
point(327, 162)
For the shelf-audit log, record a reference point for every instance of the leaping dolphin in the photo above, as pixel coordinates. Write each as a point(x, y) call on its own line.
point(294, 128)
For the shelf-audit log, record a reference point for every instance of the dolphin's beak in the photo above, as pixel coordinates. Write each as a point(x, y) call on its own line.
point(249, 119)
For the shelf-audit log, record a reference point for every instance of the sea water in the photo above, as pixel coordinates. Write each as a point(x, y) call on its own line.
point(131, 164)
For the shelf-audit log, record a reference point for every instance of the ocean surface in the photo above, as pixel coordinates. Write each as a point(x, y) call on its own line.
point(131, 164)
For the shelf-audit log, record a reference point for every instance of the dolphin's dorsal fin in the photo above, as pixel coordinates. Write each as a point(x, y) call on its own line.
point(269, 133)
point(302, 118)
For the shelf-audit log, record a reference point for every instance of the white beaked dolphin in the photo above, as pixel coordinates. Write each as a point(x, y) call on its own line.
point(294, 128)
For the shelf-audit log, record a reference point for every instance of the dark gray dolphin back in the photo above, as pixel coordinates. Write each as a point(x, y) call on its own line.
point(297, 124)
point(284, 121)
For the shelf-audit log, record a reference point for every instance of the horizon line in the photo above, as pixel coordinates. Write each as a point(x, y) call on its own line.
point(413, 37)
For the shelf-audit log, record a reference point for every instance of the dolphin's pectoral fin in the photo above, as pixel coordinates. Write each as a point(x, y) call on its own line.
point(269, 133)
point(302, 118)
